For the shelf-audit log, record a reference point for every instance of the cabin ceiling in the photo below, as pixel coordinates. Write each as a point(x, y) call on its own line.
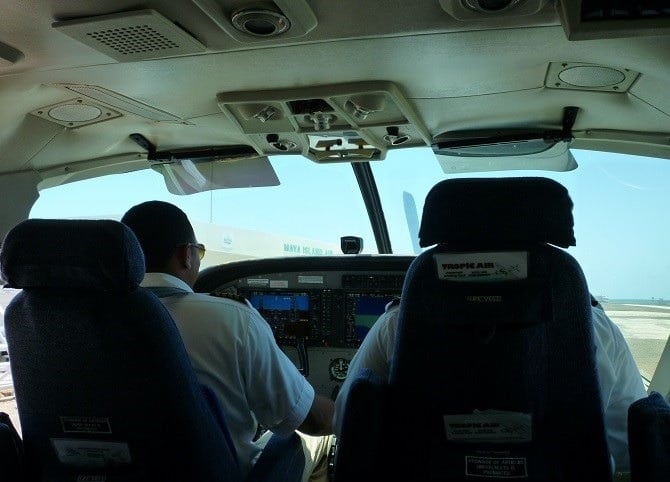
point(67, 101)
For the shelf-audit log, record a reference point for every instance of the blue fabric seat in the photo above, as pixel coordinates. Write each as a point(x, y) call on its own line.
point(494, 374)
point(104, 387)
point(649, 439)
point(11, 451)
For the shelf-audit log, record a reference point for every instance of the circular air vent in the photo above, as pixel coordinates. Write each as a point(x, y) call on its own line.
point(260, 22)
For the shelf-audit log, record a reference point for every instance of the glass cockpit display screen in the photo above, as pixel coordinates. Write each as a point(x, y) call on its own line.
point(287, 313)
point(363, 311)
point(338, 313)
point(284, 302)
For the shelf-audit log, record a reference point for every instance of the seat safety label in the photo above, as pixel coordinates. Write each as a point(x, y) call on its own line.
point(496, 467)
point(484, 267)
point(85, 425)
point(489, 426)
point(91, 453)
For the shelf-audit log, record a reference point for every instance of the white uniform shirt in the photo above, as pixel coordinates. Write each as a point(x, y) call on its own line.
point(233, 351)
point(620, 384)
point(620, 380)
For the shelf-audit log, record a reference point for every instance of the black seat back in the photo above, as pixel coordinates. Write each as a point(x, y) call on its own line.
point(649, 439)
point(103, 383)
point(494, 374)
point(11, 451)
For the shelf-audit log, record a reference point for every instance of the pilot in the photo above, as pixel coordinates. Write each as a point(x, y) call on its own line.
point(232, 348)
point(620, 380)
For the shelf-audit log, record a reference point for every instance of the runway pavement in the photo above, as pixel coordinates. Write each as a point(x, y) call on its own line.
point(646, 329)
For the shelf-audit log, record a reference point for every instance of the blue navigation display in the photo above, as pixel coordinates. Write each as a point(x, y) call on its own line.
point(280, 302)
point(366, 310)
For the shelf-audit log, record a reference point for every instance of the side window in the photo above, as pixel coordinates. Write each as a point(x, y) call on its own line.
point(6, 295)
point(622, 236)
point(7, 400)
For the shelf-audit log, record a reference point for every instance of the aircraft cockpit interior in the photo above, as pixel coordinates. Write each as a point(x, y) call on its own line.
point(274, 161)
point(320, 309)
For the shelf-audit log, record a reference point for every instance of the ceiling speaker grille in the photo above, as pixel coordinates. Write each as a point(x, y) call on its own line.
point(133, 40)
point(579, 76)
point(131, 36)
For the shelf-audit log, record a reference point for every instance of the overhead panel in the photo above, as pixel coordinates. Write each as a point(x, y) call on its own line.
point(599, 19)
point(331, 123)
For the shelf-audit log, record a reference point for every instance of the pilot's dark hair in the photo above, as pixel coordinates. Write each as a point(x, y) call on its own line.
point(160, 227)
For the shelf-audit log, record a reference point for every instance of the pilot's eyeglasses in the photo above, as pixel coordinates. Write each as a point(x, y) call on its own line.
point(199, 246)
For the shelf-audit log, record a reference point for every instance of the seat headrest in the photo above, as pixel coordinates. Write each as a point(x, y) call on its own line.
point(490, 210)
point(98, 255)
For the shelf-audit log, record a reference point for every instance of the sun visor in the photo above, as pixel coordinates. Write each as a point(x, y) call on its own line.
point(188, 176)
point(556, 158)
point(513, 149)
point(207, 168)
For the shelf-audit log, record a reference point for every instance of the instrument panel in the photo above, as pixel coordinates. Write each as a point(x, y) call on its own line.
point(319, 308)
point(335, 314)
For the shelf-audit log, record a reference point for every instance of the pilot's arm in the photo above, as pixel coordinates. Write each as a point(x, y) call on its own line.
point(620, 384)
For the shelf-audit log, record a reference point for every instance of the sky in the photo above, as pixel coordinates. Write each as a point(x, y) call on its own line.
point(621, 209)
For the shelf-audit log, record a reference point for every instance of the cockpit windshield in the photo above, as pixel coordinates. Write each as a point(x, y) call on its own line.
point(621, 239)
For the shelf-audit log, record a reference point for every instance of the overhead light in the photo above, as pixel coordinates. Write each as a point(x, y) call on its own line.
point(362, 106)
point(468, 10)
point(395, 137)
point(250, 21)
point(260, 22)
point(490, 6)
point(266, 114)
point(262, 112)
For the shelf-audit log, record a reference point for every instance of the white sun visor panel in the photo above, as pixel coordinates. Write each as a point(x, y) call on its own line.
point(556, 158)
point(187, 177)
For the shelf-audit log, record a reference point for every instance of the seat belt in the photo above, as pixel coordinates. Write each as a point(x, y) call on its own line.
point(166, 291)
